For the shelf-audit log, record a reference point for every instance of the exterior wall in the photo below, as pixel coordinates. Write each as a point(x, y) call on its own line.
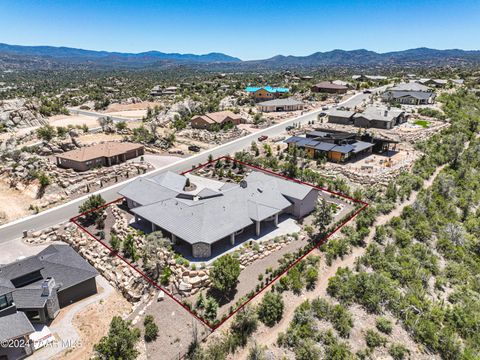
point(77, 292)
point(263, 94)
point(79, 166)
point(281, 108)
point(201, 250)
point(335, 156)
point(328, 90)
point(132, 204)
point(301, 208)
point(362, 122)
point(199, 123)
point(134, 153)
point(339, 120)
point(310, 152)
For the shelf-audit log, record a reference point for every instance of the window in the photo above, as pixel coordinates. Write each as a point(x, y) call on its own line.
point(6, 301)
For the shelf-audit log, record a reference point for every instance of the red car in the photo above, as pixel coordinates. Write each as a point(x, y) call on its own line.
point(263, 138)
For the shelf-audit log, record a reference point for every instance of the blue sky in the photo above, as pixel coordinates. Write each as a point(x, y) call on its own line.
point(249, 29)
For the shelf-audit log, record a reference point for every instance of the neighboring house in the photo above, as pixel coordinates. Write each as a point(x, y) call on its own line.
point(380, 118)
point(208, 121)
point(334, 146)
point(280, 105)
point(409, 97)
point(204, 217)
point(437, 83)
point(266, 93)
point(411, 93)
point(374, 78)
point(342, 117)
point(106, 154)
point(15, 329)
point(342, 83)
point(34, 289)
point(329, 87)
point(159, 91)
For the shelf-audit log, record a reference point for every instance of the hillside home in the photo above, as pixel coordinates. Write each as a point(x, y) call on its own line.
point(34, 289)
point(204, 217)
point(106, 154)
point(333, 146)
point(343, 117)
point(289, 104)
point(266, 93)
point(329, 87)
point(380, 118)
point(221, 118)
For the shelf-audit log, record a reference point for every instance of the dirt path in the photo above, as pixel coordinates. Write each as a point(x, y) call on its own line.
point(268, 336)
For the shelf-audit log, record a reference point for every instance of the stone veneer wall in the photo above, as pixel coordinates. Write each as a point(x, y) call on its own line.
point(201, 250)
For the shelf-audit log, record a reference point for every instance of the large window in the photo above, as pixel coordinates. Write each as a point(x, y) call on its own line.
point(6, 301)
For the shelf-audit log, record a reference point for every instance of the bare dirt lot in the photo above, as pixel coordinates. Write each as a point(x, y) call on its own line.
point(73, 120)
point(177, 328)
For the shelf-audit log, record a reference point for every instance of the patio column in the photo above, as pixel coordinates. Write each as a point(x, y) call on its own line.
point(232, 239)
point(174, 239)
point(137, 218)
point(257, 228)
point(276, 219)
point(154, 227)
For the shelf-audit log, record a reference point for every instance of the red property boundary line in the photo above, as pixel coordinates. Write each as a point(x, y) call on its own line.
point(203, 321)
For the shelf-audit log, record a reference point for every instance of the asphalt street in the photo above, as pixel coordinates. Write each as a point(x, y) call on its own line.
point(62, 213)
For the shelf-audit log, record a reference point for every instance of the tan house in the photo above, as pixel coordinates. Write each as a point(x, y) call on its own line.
point(105, 154)
point(221, 118)
point(288, 104)
point(329, 87)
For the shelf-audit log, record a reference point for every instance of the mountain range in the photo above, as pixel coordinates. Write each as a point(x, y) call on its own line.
point(42, 57)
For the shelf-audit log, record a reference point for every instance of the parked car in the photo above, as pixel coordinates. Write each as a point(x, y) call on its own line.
point(324, 107)
point(290, 127)
point(194, 148)
point(263, 138)
point(366, 91)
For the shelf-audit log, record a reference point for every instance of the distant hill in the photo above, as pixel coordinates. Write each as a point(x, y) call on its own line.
point(66, 55)
point(412, 57)
point(45, 57)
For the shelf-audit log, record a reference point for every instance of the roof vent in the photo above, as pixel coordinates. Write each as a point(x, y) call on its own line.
point(385, 113)
point(243, 184)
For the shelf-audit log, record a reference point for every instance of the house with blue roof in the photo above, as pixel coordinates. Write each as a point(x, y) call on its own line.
point(266, 92)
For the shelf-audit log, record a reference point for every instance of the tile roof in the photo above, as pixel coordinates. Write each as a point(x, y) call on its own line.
point(210, 215)
point(410, 86)
point(330, 85)
point(280, 102)
point(59, 262)
point(14, 326)
point(379, 113)
point(100, 150)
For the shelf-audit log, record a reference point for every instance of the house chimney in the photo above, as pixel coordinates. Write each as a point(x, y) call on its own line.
point(385, 113)
point(47, 286)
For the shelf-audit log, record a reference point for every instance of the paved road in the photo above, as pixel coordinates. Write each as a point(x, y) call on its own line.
point(59, 214)
point(100, 115)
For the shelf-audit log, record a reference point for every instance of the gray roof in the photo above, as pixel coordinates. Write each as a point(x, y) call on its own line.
point(20, 268)
point(63, 264)
point(344, 149)
point(59, 262)
point(170, 180)
point(145, 191)
point(280, 102)
point(212, 215)
point(411, 86)
point(341, 113)
point(14, 326)
point(421, 95)
point(360, 146)
point(288, 188)
point(324, 146)
point(379, 114)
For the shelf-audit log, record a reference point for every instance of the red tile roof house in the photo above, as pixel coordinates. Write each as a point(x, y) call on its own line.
point(105, 154)
point(329, 87)
point(207, 121)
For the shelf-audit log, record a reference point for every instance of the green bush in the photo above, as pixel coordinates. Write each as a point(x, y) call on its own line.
point(270, 310)
point(384, 325)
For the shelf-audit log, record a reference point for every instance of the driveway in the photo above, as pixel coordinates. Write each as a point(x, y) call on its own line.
point(62, 327)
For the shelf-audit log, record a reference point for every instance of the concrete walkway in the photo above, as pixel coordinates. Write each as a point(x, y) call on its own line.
point(69, 335)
